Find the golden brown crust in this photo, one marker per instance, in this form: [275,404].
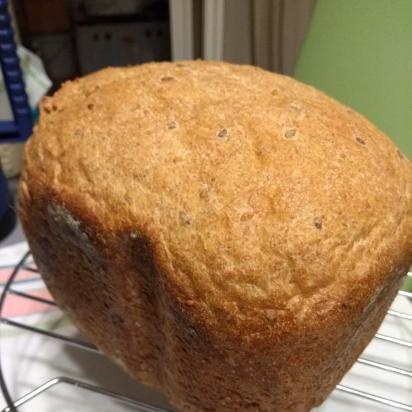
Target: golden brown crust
[228,234]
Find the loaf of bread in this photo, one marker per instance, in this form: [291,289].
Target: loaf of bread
[228,235]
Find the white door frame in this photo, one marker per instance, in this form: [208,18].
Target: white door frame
[213,29]
[181,29]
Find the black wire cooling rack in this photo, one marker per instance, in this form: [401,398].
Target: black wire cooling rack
[13,405]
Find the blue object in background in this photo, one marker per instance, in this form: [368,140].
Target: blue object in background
[7,215]
[20,128]
[5,196]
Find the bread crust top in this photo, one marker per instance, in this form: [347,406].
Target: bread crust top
[265,205]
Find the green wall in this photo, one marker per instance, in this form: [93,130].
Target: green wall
[360,52]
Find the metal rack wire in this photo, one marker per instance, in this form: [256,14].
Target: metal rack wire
[140,406]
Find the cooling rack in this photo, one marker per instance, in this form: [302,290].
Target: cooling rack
[14,405]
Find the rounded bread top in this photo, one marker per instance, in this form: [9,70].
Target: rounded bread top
[262,199]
